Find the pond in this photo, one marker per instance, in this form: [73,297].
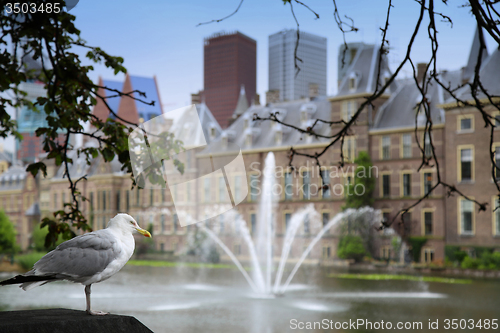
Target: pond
[189,299]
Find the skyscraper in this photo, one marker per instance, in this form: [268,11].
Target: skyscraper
[282,71]
[229,62]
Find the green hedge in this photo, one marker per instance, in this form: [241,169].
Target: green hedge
[416,244]
[351,247]
[487,260]
[26,261]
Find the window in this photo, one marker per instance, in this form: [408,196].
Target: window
[349,149]
[103,200]
[188,192]
[466,216]
[407,220]
[465,124]
[325,181]
[127,198]
[386,147]
[496,217]
[175,222]
[254,183]
[221,224]
[466,164]
[325,218]
[288,217]
[118,200]
[206,190]
[497,120]
[237,188]
[222,190]
[352,83]
[386,185]
[427,145]
[385,252]
[162,223]
[288,186]
[253,223]
[428,256]
[55,200]
[307,228]
[406,184]
[327,252]
[497,162]
[103,222]
[427,182]
[406,145]
[306,185]
[348,110]
[428,223]
[91,201]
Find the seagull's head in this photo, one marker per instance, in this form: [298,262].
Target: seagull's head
[126,222]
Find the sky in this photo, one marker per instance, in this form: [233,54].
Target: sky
[161,37]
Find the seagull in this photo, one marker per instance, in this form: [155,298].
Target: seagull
[89,258]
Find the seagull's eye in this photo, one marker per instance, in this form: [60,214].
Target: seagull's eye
[131,222]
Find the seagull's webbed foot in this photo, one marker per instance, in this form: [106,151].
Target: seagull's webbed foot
[97,313]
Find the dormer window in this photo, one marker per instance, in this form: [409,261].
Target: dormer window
[353,81]
[213,132]
[278,137]
[224,141]
[348,110]
[248,139]
[303,116]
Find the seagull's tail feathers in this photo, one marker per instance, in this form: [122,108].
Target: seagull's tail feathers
[29,281]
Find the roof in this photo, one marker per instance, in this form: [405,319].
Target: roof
[364,68]
[468,71]
[400,109]
[113,102]
[490,80]
[6,156]
[80,168]
[242,104]
[210,126]
[33,210]
[249,134]
[13,178]
[148,86]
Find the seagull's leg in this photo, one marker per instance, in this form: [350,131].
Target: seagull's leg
[87,296]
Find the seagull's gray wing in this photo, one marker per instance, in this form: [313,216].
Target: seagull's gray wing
[82,256]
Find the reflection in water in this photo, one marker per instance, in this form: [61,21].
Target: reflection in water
[384,295]
[185,299]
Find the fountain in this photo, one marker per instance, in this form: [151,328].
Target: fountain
[262,255]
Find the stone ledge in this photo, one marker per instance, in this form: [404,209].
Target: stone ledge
[64,320]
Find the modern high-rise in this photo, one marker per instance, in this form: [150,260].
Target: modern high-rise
[230,62]
[311,79]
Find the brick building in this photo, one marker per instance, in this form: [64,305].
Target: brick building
[230,61]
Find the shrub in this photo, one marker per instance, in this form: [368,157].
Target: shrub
[26,261]
[351,247]
[7,235]
[38,239]
[416,246]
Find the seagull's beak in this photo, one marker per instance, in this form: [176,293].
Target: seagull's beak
[143,232]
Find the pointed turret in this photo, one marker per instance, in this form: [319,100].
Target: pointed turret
[242,104]
[477,44]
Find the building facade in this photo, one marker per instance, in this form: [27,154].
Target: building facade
[283,77]
[230,62]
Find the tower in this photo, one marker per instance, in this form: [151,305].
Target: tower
[283,78]
[229,62]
